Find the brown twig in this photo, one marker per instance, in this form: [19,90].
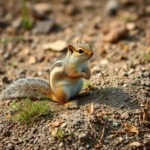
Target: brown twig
[124,132]
[93,128]
[100,144]
[103,77]
[102,134]
[145,112]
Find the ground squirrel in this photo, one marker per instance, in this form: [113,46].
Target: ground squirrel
[65,78]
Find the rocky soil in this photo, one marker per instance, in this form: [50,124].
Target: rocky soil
[115,111]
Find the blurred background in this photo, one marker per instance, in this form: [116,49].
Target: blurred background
[35,33]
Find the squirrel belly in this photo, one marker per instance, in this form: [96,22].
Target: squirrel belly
[27,88]
[73,89]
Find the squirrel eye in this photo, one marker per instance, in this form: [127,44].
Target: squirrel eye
[80,51]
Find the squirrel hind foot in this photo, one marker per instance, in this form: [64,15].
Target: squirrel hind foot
[73,104]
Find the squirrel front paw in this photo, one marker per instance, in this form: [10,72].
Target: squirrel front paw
[87,74]
[74,104]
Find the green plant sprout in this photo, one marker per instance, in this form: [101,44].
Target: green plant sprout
[29,112]
[61,135]
[12,39]
[27,23]
[147,57]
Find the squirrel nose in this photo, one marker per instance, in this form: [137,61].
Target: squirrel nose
[90,55]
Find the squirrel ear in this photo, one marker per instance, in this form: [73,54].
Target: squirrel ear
[70,48]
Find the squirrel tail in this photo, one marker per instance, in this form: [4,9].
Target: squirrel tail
[27,88]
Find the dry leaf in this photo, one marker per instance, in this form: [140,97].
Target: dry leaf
[131,128]
[57,46]
[100,118]
[57,123]
[115,33]
[102,115]
[103,111]
[148,49]
[126,48]
[54,131]
[137,144]
[42,7]
[99,145]
[120,139]
[130,26]
[102,107]
[32,60]
[91,109]
[7,117]
[39,10]
[145,113]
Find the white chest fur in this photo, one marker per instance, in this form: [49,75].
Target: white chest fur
[73,89]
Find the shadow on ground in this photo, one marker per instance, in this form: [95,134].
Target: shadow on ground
[114,97]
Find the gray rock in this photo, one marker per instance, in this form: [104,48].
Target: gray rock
[96,69]
[122,106]
[34,45]
[71,10]
[136,121]
[10,146]
[83,136]
[116,124]
[17,23]
[126,99]
[137,111]
[142,82]
[43,27]
[6,55]
[125,115]
[61,144]
[81,148]
[112,7]
[88,146]
[147,82]
[40,10]
[146,74]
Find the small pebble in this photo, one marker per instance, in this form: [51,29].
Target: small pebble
[125,115]
[10,146]
[82,136]
[137,111]
[104,62]
[146,74]
[6,55]
[43,27]
[61,144]
[116,124]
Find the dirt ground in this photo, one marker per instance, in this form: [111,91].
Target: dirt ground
[114,112]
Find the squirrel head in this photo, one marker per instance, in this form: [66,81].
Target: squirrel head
[81,52]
